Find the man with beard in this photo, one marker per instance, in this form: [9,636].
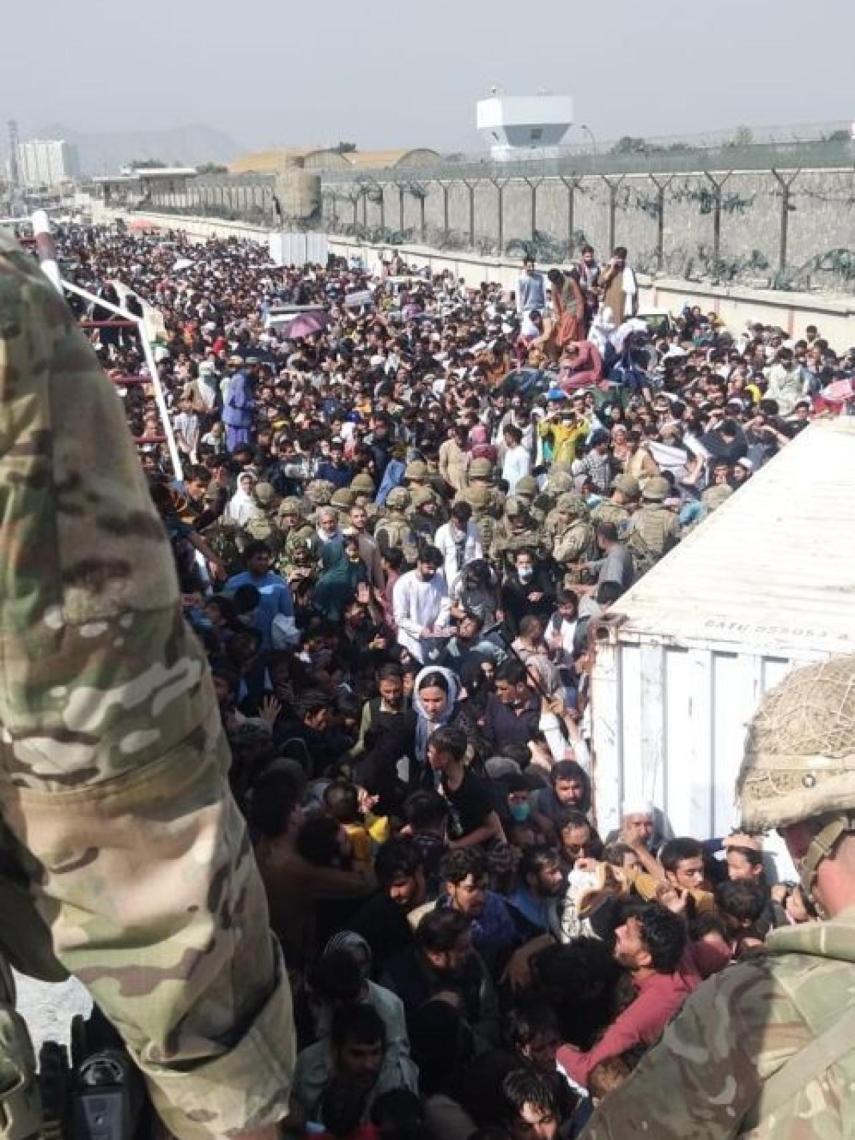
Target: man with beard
[382,920]
[421,605]
[355,1052]
[651,944]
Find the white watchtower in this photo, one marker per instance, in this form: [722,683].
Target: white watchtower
[516,125]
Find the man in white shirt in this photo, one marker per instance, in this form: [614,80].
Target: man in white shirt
[458,541]
[516,462]
[421,605]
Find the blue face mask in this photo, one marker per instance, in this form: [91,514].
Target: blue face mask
[520,812]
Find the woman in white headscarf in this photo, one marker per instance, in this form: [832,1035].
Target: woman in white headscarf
[437,700]
[241,506]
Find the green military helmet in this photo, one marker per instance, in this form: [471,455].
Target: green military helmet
[264,494]
[481,469]
[343,498]
[478,498]
[215,493]
[363,484]
[417,469]
[290,505]
[421,495]
[559,481]
[526,487]
[571,503]
[514,507]
[799,761]
[627,485]
[656,490]
[398,499]
[319,492]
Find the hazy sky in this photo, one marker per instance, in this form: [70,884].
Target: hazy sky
[398,73]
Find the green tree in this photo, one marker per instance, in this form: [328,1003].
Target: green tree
[345,148]
[212,168]
[742,136]
[630,144]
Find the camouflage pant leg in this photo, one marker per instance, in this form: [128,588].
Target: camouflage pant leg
[20,1106]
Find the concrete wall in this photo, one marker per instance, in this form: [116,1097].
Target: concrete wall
[833,314]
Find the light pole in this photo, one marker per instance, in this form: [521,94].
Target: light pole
[584,127]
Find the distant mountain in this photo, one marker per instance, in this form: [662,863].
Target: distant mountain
[103,152]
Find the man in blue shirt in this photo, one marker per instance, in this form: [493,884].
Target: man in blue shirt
[531,289]
[274,594]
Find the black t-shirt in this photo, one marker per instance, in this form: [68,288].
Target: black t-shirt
[384,926]
[471,803]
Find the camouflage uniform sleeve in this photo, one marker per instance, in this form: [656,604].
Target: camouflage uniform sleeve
[113,765]
[706,1073]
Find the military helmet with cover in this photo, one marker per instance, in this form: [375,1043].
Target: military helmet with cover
[656,490]
[290,505]
[571,503]
[559,481]
[416,469]
[398,499]
[626,484]
[480,469]
[343,498]
[526,487]
[319,492]
[362,484]
[799,763]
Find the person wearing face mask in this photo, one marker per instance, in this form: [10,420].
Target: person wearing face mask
[528,589]
[421,605]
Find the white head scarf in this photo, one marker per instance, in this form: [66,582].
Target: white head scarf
[424,725]
[241,503]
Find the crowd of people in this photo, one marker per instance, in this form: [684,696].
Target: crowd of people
[396,533]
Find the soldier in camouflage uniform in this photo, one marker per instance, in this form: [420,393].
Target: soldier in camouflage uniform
[766,1049]
[295,531]
[424,514]
[393,531]
[527,492]
[618,509]
[574,538]
[261,523]
[486,501]
[363,488]
[653,529]
[126,860]
[343,499]
[516,530]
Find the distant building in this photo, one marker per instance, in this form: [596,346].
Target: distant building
[516,125]
[47,162]
[278,159]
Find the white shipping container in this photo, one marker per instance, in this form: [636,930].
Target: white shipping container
[298,248]
[763,585]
